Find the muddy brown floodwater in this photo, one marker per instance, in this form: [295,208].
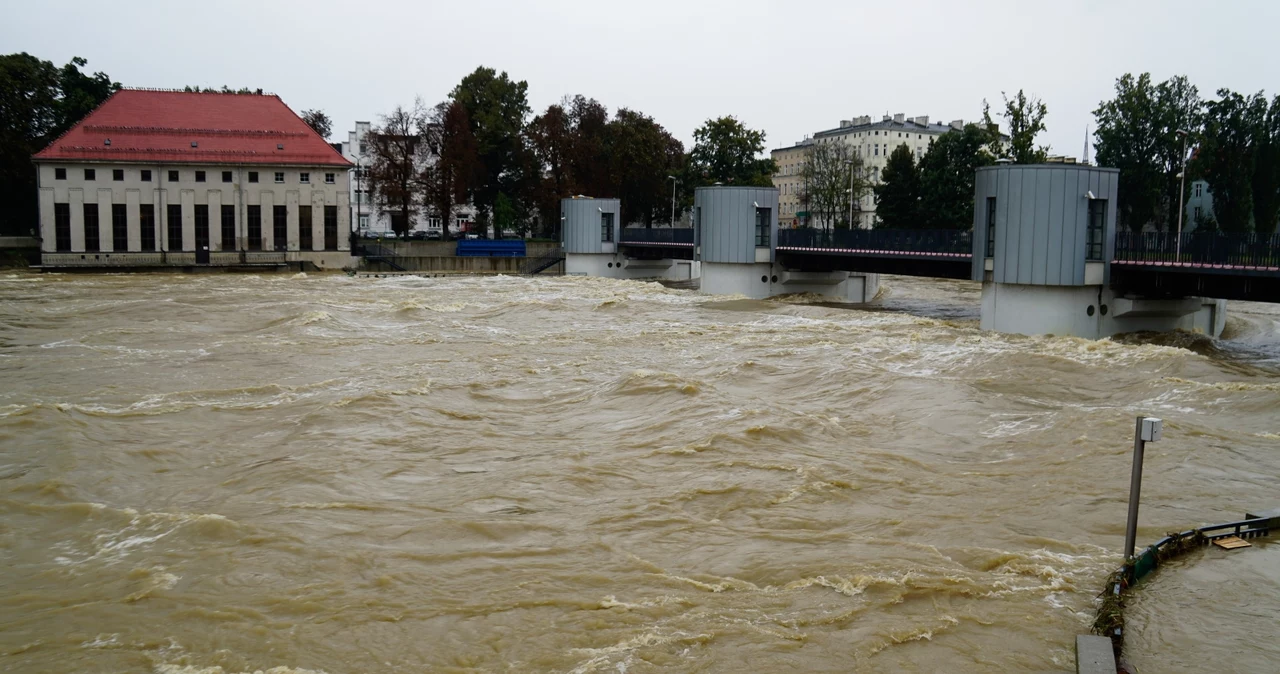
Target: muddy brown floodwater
[582,475]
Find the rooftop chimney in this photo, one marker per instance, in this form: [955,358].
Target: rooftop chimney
[900,118]
[923,120]
[957,124]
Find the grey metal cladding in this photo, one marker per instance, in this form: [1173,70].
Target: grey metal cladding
[728,226]
[581,226]
[1042,216]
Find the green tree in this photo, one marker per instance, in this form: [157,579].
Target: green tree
[898,193]
[1178,107]
[588,160]
[1227,155]
[1266,172]
[504,215]
[393,175]
[827,174]
[496,109]
[1025,117]
[946,177]
[319,122]
[725,151]
[1127,138]
[642,154]
[454,163]
[38,102]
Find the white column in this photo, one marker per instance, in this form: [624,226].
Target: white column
[106,228]
[76,200]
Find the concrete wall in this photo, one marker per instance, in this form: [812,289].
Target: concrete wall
[725,223]
[619,266]
[1042,215]
[581,228]
[752,280]
[1092,312]
[213,192]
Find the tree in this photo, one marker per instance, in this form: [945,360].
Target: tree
[454,162]
[1025,116]
[898,194]
[1178,107]
[946,177]
[496,110]
[588,158]
[393,175]
[828,171]
[550,137]
[725,151]
[1266,172]
[641,156]
[504,215]
[319,122]
[1227,155]
[38,102]
[197,89]
[1127,138]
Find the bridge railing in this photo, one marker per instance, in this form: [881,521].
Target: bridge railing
[948,241]
[671,235]
[1246,250]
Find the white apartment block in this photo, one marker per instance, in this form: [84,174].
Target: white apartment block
[167,178]
[872,142]
[373,219]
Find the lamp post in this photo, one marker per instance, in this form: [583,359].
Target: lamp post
[1182,180]
[849,162]
[673,200]
[1149,429]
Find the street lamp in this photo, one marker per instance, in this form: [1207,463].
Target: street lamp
[673,199]
[849,162]
[1182,180]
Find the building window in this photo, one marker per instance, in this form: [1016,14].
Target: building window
[254,225]
[361,147]
[330,227]
[173,176]
[280,226]
[92,240]
[279,176]
[606,227]
[228,227]
[62,226]
[90,174]
[303,177]
[117,174]
[199,176]
[59,174]
[364,222]
[304,228]
[991,226]
[175,227]
[1197,215]
[119,227]
[1096,230]
[226,176]
[763,227]
[1198,187]
[253,176]
[202,227]
[145,175]
[147,224]
[329,178]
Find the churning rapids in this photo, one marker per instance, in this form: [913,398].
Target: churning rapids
[235,473]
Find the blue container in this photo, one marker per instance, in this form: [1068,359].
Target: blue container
[486,248]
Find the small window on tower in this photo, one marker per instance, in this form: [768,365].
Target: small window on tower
[199,176]
[279,176]
[226,176]
[173,176]
[145,175]
[253,176]
[329,178]
[117,174]
[303,177]
[89,174]
[59,174]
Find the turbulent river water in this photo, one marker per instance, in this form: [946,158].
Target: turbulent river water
[235,473]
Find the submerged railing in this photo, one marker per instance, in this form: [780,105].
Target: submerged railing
[950,242]
[1244,251]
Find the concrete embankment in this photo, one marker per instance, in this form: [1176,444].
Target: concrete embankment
[19,251]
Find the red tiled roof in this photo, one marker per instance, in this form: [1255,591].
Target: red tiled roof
[159,127]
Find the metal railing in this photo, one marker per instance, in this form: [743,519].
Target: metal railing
[682,236]
[1242,251]
[950,242]
[374,252]
[534,265]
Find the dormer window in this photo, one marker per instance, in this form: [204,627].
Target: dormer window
[195,144]
[107,142]
[279,146]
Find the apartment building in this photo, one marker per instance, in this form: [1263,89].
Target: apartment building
[165,178]
[788,180]
[874,141]
[373,219]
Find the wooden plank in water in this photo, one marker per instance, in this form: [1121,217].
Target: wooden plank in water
[1232,543]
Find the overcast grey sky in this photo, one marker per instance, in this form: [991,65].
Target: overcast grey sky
[788,67]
